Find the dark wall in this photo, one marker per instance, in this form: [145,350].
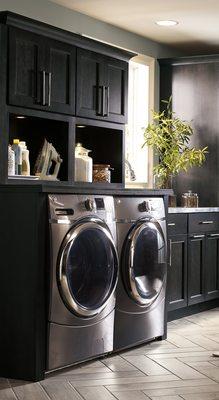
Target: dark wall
[194,85]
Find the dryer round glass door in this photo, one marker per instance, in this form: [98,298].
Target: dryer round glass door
[144,266]
[87,268]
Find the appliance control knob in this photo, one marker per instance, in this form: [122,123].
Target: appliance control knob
[144,206]
[89,205]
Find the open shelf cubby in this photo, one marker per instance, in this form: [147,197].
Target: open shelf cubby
[106,143]
[33,130]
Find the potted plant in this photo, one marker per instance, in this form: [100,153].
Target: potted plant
[170,138]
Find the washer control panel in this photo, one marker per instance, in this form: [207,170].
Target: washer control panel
[65,207]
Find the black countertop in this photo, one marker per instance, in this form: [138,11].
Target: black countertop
[63,188]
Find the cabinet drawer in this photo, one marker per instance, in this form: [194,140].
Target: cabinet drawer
[203,222]
[177,224]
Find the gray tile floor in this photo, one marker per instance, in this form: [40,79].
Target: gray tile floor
[181,367]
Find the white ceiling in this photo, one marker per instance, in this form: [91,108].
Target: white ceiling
[198,19]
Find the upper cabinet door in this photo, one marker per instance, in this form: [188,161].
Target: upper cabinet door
[116,85]
[41,72]
[101,87]
[90,81]
[60,77]
[26,68]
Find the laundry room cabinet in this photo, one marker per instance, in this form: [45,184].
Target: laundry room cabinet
[54,84]
[41,72]
[101,87]
[177,271]
[193,273]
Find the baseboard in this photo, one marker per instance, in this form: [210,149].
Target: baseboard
[194,309]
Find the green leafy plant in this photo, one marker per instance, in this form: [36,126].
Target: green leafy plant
[170,137]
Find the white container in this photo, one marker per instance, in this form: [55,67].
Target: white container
[83,164]
[25,163]
[25,169]
[11,161]
[18,156]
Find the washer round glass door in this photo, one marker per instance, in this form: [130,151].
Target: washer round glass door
[144,268]
[87,268]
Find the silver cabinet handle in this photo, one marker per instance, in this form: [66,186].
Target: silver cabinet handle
[213,235]
[170,250]
[171,224]
[100,101]
[49,89]
[44,87]
[104,114]
[206,222]
[106,101]
[197,236]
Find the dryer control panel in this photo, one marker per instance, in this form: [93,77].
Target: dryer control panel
[133,208]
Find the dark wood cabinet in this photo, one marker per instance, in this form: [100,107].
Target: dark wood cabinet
[193,275]
[212,266]
[196,269]
[193,83]
[61,77]
[177,272]
[101,87]
[41,72]
[26,65]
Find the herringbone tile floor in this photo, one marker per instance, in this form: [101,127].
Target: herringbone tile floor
[181,367]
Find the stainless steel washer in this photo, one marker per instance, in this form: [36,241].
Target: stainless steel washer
[84,272]
[140,294]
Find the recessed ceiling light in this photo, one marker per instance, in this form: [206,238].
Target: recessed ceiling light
[166,23]
[20,117]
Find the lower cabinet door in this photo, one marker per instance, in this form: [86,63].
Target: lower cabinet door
[212,266]
[196,269]
[177,272]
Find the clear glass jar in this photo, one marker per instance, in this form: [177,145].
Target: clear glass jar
[101,173]
[190,199]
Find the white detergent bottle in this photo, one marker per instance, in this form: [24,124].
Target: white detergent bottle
[18,156]
[25,170]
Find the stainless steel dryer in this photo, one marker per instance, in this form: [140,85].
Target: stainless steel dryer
[84,272]
[140,294]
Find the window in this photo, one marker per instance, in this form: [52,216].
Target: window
[139,161]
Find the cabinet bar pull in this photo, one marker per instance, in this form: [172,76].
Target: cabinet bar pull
[171,224]
[106,112]
[104,102]
[44,88]
[100,101]
[49,89]
[206,222]
[197,236]
[170,250]
[213,235]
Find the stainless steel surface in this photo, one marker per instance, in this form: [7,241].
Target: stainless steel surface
[44,87]
[89,205]
[176,210]
[197,236]
[127,208]
[69,240]
[69,345]
[170,253]
[49,88]
[133,245]
[77,336]
[136,322]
